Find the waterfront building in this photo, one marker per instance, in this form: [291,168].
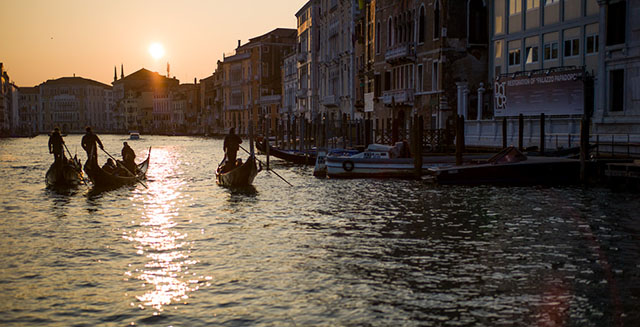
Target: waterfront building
[543,58]
[142,98]
[207,98]
[212,102]
[422,52]
[238,88]
[161,112]
[289,87]
[111,115]
[365,22]
[336,58]
[617,110]
[253,72]
[29,111]
[188,96]
[8,103]
[72,103]
[307,55]
[179,110]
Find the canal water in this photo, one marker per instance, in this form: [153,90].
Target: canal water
[185,252]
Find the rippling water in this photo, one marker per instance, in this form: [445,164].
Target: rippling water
[185,252]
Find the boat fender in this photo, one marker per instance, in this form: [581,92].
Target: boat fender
[347,165]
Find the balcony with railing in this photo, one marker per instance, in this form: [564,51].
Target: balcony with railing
[302,56]
[405,52]
[270,98]
[399,96]
[235,107]
[301,93]
[329,101]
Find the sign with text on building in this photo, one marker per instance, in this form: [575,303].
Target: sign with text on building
[553,93]
[368,102]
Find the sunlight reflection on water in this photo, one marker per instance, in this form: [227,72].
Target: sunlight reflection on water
[165,277]
[186,252]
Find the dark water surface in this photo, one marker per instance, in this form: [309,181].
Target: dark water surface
[185,252]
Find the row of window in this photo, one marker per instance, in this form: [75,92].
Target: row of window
[402,77]
[515,6]
[550,50]
[399,33]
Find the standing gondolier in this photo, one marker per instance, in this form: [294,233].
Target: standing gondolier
[56,144]
[231,145]
[128,157]
[88,143]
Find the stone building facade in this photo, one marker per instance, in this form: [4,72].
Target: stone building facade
[335,28]
[252,75]
[617,110]
[72,103]
[542,60]
[424,53]
[307,55]
[140,101]
[30,112]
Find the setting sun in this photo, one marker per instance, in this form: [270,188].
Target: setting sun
[156,50]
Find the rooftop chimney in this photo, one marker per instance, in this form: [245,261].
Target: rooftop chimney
[238,43]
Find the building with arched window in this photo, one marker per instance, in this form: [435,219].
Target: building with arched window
[425,56]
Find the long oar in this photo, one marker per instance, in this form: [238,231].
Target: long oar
[71,158]
[125,168]
[245,150]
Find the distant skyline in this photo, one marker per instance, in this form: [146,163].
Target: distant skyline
[44,39]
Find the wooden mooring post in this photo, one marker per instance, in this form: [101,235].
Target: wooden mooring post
[504,132]
[459,139]
[520,132]
[542,135]
[267,142]
[417,145]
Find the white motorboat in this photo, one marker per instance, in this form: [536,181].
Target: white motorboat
[381,161]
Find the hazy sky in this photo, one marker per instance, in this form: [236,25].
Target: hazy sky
[48,39]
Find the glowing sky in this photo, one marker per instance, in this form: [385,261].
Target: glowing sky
[44,39]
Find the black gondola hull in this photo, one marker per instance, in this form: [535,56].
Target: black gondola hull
[102,179]
[241,176]
[297,157]
[65,175]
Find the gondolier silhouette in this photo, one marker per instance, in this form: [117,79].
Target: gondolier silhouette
[128,157]
[56,144]
[231,145]
[88,143]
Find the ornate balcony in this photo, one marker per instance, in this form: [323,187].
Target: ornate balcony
[405,52]
[329,101]
[401,96]
[301,93]
[270,98]
[302,56]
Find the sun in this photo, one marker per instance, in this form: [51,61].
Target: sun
[156,50]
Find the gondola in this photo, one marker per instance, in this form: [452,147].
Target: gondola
[103,179]
[297,157]
[65,174]
[238,176]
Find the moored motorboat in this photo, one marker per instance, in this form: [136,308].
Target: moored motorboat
[101,178]
[381,161]
[294,156]
[320,169]
[511,167]
[66,173]
[133,135]
[230,175]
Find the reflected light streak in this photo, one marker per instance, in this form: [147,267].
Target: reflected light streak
[165,276]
